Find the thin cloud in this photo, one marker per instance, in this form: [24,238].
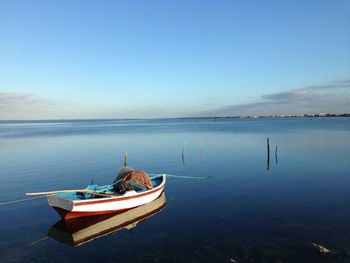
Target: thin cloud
[334,85]
[22,101]
[311,99]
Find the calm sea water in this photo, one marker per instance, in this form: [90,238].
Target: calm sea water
[243,213]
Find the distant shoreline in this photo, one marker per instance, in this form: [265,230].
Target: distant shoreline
[282,116]
[319,115]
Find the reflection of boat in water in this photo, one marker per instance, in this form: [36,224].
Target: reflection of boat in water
[81,230]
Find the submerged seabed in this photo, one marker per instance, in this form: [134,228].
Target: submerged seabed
[243,213]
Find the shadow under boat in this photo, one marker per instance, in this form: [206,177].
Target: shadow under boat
[76,232]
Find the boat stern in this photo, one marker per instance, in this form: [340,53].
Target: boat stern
[59,202]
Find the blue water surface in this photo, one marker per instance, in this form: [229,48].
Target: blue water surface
[248,210]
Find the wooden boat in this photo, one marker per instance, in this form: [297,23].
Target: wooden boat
[100,200]
[78,231]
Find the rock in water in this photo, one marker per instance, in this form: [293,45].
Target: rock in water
[321,249]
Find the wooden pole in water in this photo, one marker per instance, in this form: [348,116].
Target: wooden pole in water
[276,156]
[183,154]
[268,153]
[201,149]
[126,158]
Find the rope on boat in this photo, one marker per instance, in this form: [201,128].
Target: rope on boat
[183,176]
[21,200]
[112,183]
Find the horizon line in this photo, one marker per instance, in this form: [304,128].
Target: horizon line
[338,114]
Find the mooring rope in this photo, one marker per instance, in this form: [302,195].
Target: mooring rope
[21,200]
[183,176]
[37,241]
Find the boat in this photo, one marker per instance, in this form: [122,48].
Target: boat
[95,200]
[79,231]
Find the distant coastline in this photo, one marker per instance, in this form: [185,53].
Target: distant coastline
[316,115]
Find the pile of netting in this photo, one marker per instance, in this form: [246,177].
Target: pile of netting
[130,179]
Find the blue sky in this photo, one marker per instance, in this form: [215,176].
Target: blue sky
[150,59]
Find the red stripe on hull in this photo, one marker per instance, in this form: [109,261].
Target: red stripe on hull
[70,215]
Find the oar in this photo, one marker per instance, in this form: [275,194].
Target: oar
[68,191]
[59,191]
